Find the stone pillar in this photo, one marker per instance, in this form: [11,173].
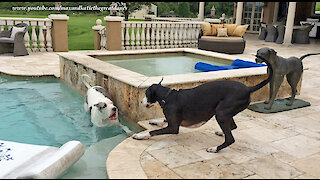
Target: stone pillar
[59,32]
[289,24]
[97,37]
[201,11]
[239,13]
[275,12]
[113,33]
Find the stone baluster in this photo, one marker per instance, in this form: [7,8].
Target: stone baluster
[193,34]
[189,35]
[27,38]
[127,36]
[133,38]
[153,27]
[198,27]
[122,36]
[34,36]
[167,29]
[176,35]
[171,39]
[158,27]
[148,36]
[181,32]
[138,45]
[2,24]
[17,22]
[9,24]
[41,36]
[103,38]
[184,35]
[163,27]
[143,36]
[48,36]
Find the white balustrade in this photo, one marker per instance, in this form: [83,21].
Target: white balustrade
[41,41]
[159,34]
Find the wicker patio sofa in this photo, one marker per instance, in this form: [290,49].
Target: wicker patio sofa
[14,43]
[231,42]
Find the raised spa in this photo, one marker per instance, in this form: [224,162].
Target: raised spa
[127,74]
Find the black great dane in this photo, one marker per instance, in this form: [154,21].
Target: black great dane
[194,107]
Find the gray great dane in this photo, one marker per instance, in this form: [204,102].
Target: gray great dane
[290,67]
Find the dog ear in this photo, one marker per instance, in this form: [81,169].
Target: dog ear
[161,81]
[272,51]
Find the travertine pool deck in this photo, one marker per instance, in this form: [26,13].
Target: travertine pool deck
[281,145]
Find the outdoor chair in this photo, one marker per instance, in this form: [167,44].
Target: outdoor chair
[301,36]
[272,33]
[263,31]
[12,41]
[280,30]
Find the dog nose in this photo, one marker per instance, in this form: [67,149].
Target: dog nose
[114,109]
[147,105]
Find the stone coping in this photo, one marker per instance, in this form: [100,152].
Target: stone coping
[142,81]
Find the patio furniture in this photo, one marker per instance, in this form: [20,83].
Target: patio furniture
[272,33]
[301,34]
[280,30]
[233,43]
[12,41]
[263,31]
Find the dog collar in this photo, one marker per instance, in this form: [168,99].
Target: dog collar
[163,101]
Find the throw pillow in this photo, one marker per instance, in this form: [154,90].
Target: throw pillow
[240,30]
[214,28]
[15,30]
[206,29]
[230,27]
[222,32]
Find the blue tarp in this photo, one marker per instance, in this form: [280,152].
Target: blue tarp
[236,64]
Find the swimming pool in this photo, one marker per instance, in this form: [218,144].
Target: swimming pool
[162,64]
[47,112]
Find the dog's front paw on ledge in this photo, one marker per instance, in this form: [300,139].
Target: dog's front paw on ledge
[212,149]
[141,136]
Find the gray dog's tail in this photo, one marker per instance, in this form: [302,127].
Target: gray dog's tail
[84,81]
[265,82]
[304,56]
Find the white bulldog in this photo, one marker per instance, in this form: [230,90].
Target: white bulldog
[102,111]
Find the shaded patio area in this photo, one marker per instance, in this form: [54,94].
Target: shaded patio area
[281,145]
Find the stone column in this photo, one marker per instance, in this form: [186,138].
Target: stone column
[113,33]
[201,11]
[275,12]
[59,32]
[289,24]
[239,13]
[97,37]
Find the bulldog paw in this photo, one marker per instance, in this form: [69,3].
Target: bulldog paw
[141,136]
[212,149]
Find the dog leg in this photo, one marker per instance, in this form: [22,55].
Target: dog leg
[276,85]
[224,124]
[271,84]
[232,125]
[293,79]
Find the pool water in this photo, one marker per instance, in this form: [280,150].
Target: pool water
[48,112]
[162,65]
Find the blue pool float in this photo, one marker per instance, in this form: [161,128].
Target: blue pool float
[236,64]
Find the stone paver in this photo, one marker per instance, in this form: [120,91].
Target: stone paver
[280,145]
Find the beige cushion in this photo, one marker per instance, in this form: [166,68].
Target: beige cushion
[214,28]
[240,30]
[206,29]
[229,38]
[222,32]
[230,27]
[15,30]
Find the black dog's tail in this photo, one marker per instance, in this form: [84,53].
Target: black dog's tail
[265,82]
[304,56]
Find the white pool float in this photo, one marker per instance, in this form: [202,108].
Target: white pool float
[19,160]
